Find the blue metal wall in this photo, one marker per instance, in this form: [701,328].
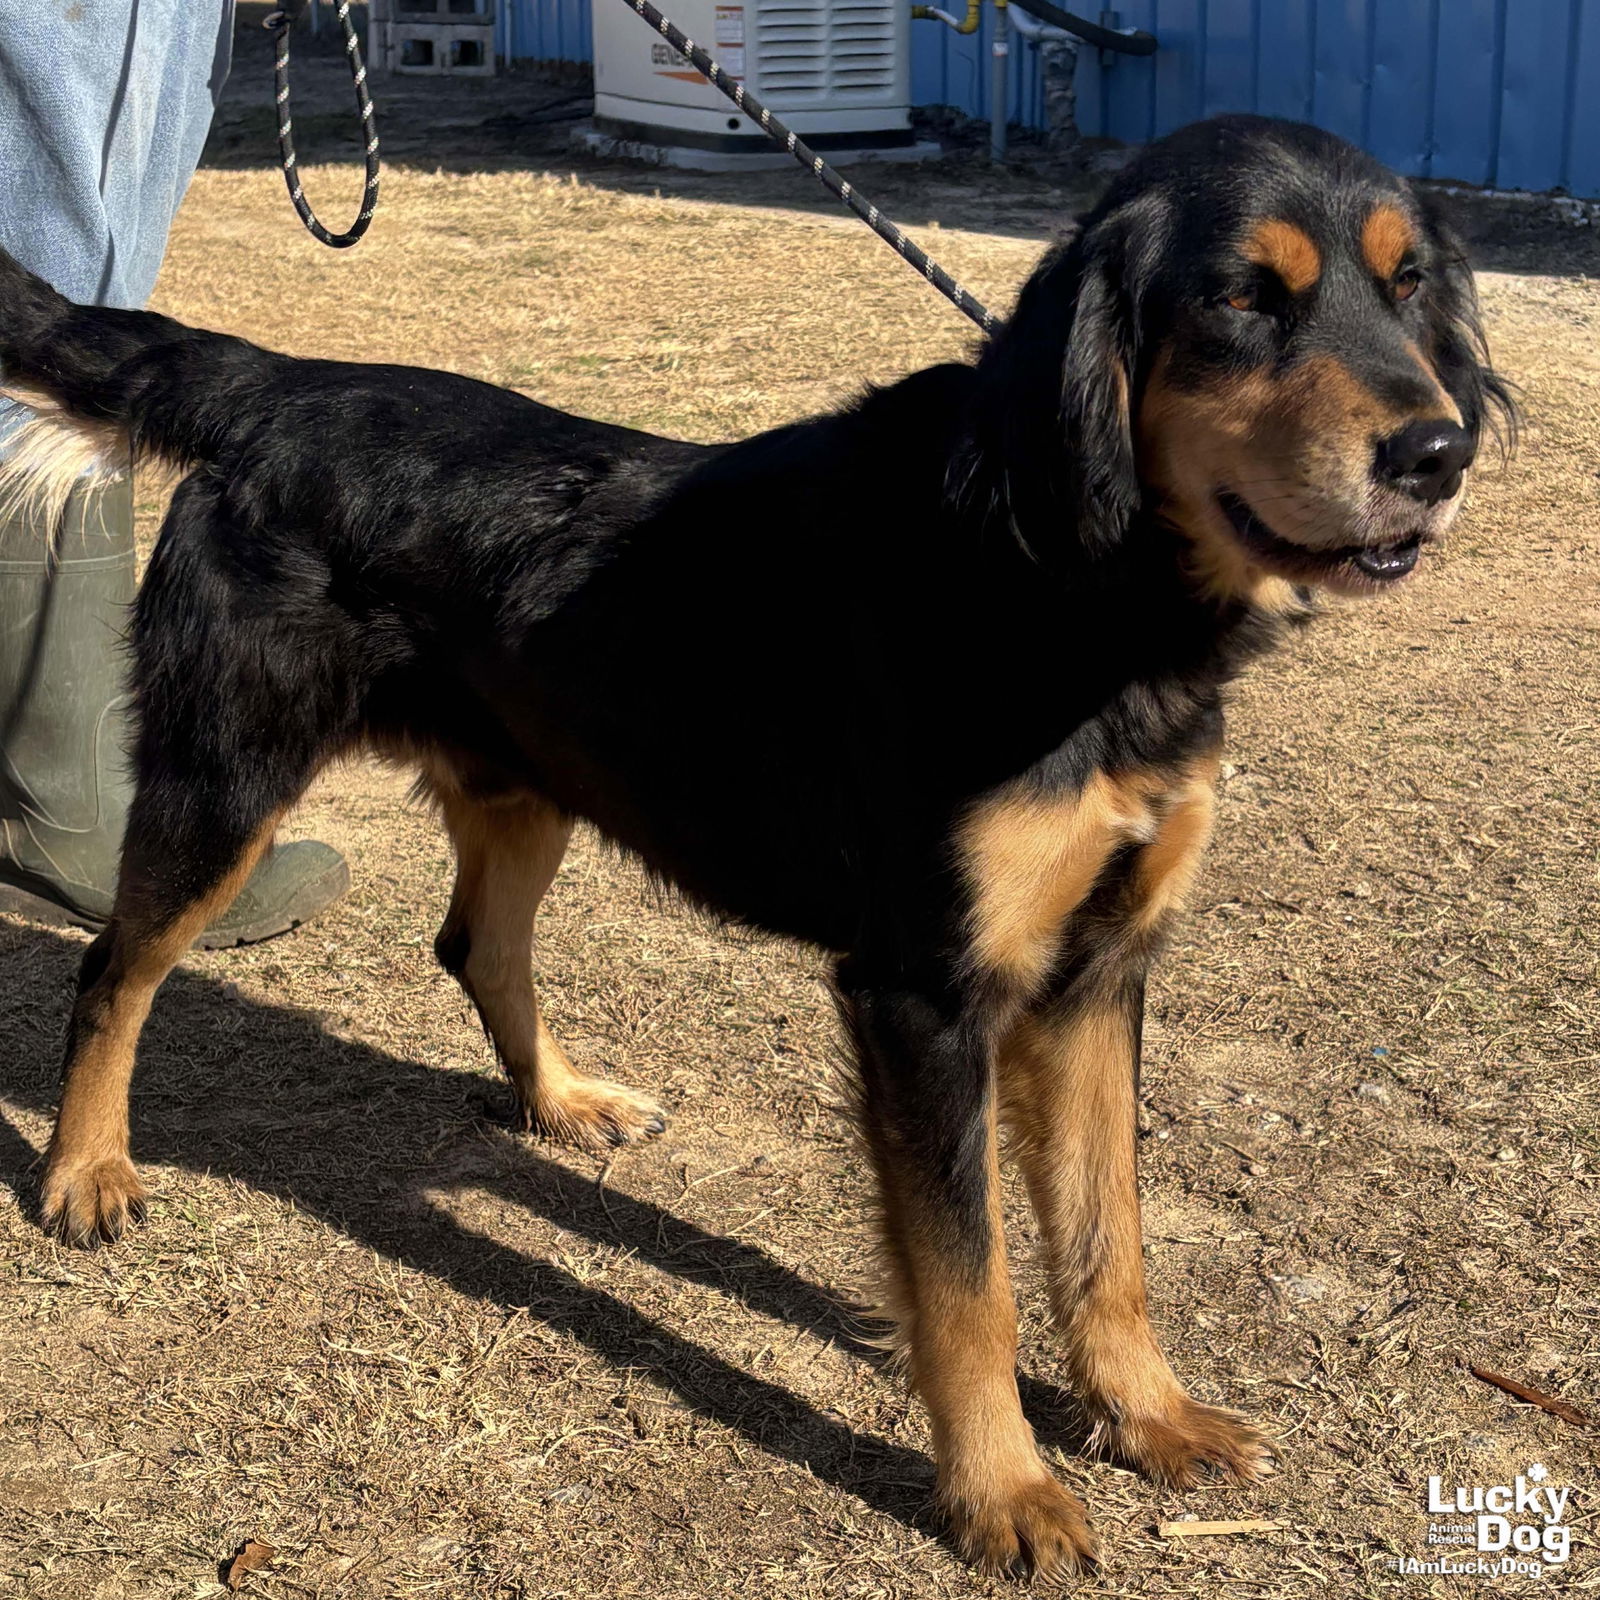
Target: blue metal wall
[1499,92]
[550,30]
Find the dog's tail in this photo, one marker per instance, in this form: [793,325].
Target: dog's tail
[106,387]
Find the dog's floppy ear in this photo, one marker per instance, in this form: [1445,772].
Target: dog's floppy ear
[1459,351]
[1053,433]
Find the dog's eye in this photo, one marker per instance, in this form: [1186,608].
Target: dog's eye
[1406,283]
[1263,298]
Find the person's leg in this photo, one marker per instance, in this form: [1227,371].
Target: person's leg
[65,597]
[103,112]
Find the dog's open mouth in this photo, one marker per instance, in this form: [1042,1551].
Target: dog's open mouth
[1364,563]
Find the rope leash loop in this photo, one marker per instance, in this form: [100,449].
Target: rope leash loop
[278,25]
[830,180]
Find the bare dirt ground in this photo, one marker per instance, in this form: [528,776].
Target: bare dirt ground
[424,1357]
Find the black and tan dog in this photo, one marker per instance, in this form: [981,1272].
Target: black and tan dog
[933,683]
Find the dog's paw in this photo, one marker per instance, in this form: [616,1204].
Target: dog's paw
[1035,1529]
[1188,1443]
[595,1115]
[87,1203]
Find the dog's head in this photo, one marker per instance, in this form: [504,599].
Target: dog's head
[1268,340]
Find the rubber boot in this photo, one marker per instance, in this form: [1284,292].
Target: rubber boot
[64,732]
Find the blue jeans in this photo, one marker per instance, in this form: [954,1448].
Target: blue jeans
[104,109]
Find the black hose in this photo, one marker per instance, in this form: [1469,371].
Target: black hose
[1138,43]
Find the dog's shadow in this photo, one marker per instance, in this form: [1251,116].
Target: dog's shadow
[334,1127]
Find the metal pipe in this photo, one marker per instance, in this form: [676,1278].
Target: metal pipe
[933,14]
[999,74]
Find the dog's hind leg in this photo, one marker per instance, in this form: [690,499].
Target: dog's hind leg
[177,874]
[928,1112]
[507,853]
[238,710]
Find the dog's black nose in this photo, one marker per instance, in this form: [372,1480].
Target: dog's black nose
[1426,459]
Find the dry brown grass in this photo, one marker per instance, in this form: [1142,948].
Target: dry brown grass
[426,1358]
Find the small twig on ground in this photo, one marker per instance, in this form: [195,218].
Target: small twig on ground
[1188,1530]
[600,1189]
[1545,1402]
[721,1172]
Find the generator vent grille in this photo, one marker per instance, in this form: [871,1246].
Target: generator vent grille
[842,51]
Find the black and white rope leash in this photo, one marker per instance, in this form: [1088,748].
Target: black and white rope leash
[282,20]
[830,180]
[278,25]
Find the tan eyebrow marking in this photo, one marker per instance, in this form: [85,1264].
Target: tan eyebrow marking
[1289,251]
[1386,236]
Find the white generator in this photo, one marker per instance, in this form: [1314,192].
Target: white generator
[837,71]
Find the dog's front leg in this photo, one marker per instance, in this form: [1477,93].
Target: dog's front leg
[928,1107]
[1068,1076]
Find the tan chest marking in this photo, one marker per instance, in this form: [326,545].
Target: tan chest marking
[1168,864]
[1032,860]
